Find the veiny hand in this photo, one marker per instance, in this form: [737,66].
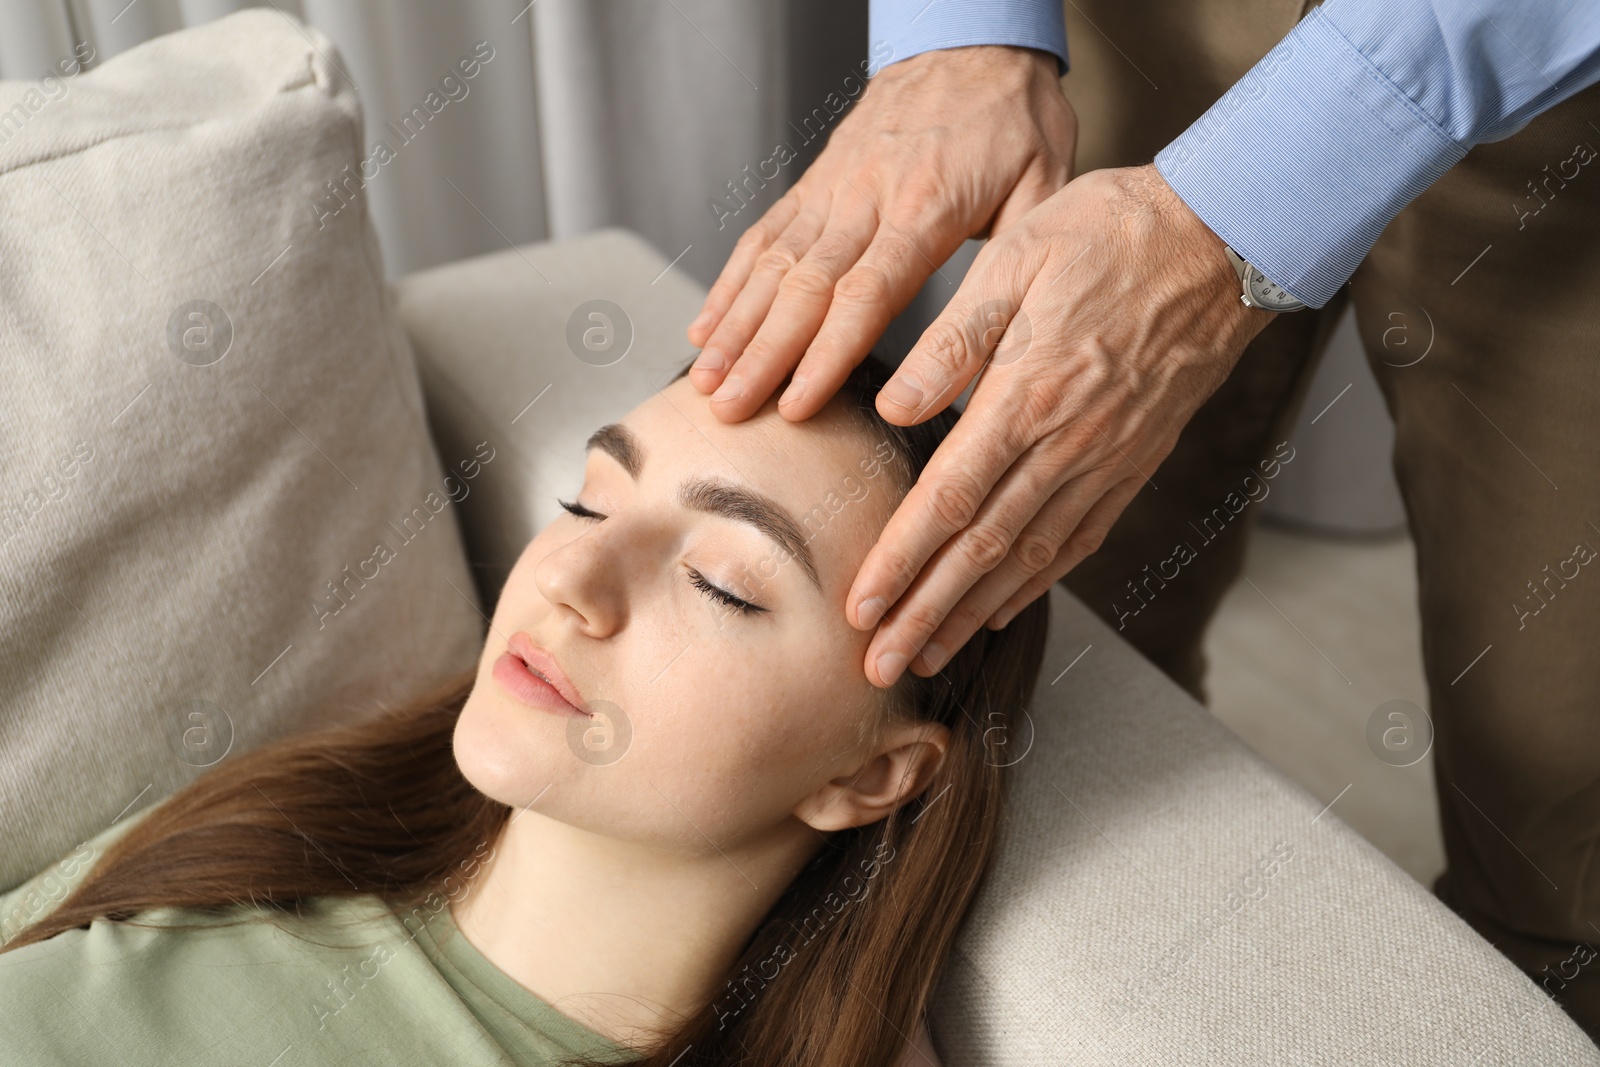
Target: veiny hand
[1111,313]
[945,145]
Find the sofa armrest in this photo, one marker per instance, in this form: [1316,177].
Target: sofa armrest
[1164,895]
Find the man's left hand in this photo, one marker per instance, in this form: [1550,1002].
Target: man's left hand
[1116,315]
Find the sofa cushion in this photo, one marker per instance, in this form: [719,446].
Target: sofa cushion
[1161,894]
[223,519]
[1164,895]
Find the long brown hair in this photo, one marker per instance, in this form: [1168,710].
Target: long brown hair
[838,972]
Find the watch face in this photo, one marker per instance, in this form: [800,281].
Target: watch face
[1265,293]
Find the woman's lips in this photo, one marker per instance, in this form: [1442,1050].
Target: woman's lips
[528,688]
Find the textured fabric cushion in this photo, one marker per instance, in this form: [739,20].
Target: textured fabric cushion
[1166,896]
[1162,895]
[194,497]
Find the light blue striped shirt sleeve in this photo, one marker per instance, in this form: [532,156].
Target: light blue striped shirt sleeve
[912,26]
[1304,161]
[1366,103]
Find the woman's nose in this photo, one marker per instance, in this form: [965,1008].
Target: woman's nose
[587,576]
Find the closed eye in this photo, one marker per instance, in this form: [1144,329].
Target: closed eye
[743,607]
[579,510]
[696,579]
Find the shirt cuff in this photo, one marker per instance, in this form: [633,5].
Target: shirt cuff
[1303,162]
[908,27]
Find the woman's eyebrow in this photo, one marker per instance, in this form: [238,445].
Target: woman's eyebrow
[619,442]
[716,496]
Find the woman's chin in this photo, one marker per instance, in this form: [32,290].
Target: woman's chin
[507,752]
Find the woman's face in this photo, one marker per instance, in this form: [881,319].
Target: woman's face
[711,722]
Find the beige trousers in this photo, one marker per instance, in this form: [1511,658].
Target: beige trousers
[1497,455]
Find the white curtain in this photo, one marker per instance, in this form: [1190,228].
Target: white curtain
[591,113]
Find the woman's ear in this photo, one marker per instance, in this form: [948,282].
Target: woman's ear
[903,761]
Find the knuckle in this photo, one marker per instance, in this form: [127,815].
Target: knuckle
[902,572]
[1038,404]
[897,253]
[735,329]
[954,502]
[862,286]
[962,622]
[834,252]
[758,236]
[874,168]
[1097,370]
[922,187]
[758,353]
[984,546]
[779,259]
[947,345]
[808,279]
[919,622]
[1035,550]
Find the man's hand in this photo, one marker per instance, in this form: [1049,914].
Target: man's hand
[1111,313]
[949,144]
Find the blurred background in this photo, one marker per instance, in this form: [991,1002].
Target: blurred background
[663,116]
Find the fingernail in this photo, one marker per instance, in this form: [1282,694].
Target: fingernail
[700,320]
[933,654]
[890,664]
[905,391]
[795,393]
[868,612]
[1000,620]
[711,359]
[732,389]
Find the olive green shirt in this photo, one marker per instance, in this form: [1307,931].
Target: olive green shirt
[344,982]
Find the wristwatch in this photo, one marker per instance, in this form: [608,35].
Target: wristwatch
[1260,291]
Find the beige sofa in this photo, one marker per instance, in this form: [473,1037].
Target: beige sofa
[203,582]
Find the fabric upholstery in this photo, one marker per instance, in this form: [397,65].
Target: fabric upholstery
[192,505]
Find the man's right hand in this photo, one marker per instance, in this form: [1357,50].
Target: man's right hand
[949,144]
